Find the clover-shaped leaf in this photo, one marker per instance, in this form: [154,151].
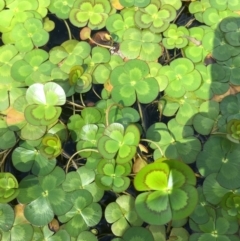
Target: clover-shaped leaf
[122,214]
[92,13]
[185,108]
[44,197]
[29,34]
[51,146]
[233,130]
[198,8]
[70,53]
[214,81]
[219,226]
[156,16]
[81,80]
[204,121]
[44,101]
[200,214]
[231,68]
[230,202]
[119,142]
[26,158]
[195,51]
[229,107]
[223,5]
[83,178]
[34,66]
[182,77]
[8,187]
[141,43]
[90,214]
[61,8]
[212,17]
[213,191]
[230,26]
[220,156]
[113,176]
[89,115]
[6,217]
[216,43]
[175,141]
[130,82]
[175,37]
[116,24]
[7,136]
[89,136]
[164,182]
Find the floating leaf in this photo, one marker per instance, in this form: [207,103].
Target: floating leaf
[122,214]
[91,13]
[119,143]
[175,141]
[26,158]
[6,217]
[90,214]
[155,16]
[40,196]
[141,44]
[220,156]
[113,176]
[83,178]
[164,183]
[8,187]
[29,34]
[130,82]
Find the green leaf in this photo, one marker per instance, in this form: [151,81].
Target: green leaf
[175,141]
[130,82]
[29,34]
[83,178]
[141,43]
[6,217]
[8,186]
[26,158]
[89,13]
[89,215]
[115,142]
[122,213]
[216,157]
[138,234]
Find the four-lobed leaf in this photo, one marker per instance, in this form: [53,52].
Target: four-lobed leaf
[119,142]
[131,83]
[169,192]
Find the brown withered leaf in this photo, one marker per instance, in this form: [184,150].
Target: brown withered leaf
[138,164]
[85,33]
[233,89]
[116,4]
[54,225]
[101,37]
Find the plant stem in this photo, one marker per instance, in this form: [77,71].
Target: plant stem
[94,91]
[108,110]
[68,29]
[101,45]
[154,143]
[5,154]
[74,104]
[81,98]
[74,111]
[141,116]
[70,159]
